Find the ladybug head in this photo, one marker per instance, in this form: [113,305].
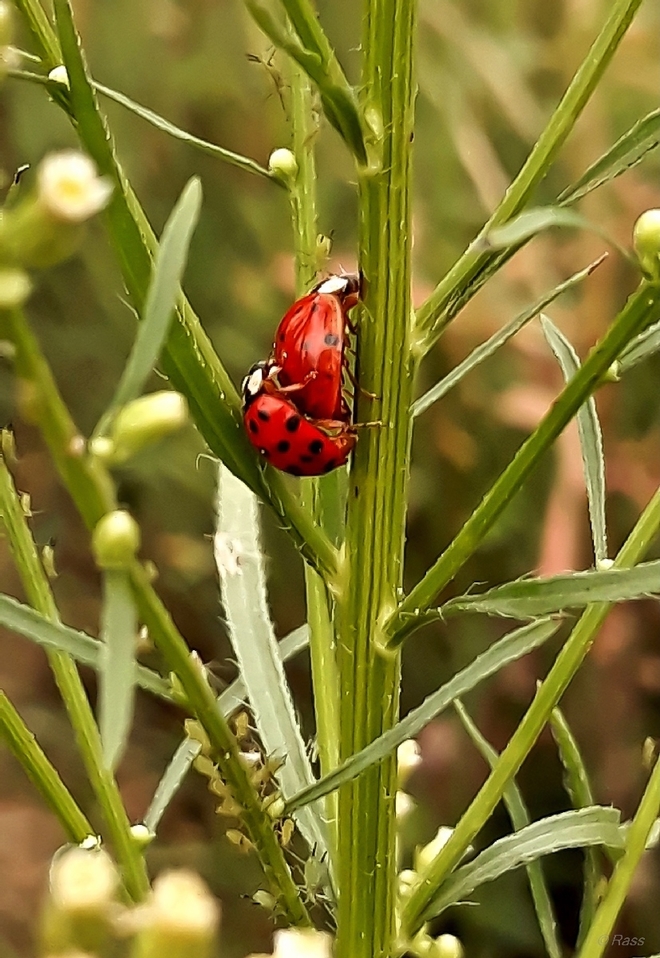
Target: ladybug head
[259,378]
[346,286]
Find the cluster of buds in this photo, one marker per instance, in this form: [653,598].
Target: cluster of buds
[46,225]
[84,916]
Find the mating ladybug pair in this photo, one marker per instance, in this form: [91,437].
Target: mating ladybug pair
[295,412]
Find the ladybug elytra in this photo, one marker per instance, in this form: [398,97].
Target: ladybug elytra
[288,439]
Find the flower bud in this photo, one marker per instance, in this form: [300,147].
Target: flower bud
[283,164]
[408,758]
[179,921]
[15,287]
[302,943]
[116,540]
[6,24]
[83,887]
[646,240]
[45,227]
[446,946]
[59,75]
[141,423]
[425,854]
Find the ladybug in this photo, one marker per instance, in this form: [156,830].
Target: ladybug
[309,347]
[287,438]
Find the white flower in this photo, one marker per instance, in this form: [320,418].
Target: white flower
[70,188]
[408,758]
[302,943]
[82,879]
[182,903]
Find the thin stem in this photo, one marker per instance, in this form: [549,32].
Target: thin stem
[449,295]
[641,310]
[597,938]
[40,596]
[44,776]
[319,495]
[373,551]
[547,696]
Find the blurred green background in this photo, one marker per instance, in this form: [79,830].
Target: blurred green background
[490,73]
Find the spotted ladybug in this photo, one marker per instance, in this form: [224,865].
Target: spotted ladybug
[289,440]
[309,347]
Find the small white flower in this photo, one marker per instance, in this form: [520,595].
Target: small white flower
[59,75]
[182,902]
[70,188]
[408,758]
[83,879]
[302,943]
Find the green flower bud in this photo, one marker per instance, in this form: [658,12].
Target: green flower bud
[446,946]
[83,887]
[47,226]
[425,854]
[15,287]
[141,423]
[116,540]
[179,921]
[283,164]
[646,240]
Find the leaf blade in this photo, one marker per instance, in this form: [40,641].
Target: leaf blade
[118,675]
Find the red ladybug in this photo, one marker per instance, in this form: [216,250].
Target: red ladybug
[288,439]
[309,348]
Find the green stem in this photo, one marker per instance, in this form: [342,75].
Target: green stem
[378,481]
[547,696]
[226,751]
[321,496]
[642,308]
[40,596]
[449,295]
[25,748]
[597,938]
[91,490]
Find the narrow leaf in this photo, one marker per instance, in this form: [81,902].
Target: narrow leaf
[519,815]
[574,829]
[578,786]
[591,440]
[627,152]
[32,625]
[243,586]
[235,159]
[530,597]
[640,348]
[503,335]
[117,678]
[161,299]
[537,220]
[229,702]
[511,647]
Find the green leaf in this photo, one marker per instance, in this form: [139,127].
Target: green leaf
[640,348]
[519,815]
[578,786]
[32,625]
[234,159]
[511,647]
[118,674]
[232,699]
[574,829]
[160,304]
[503,335]
[528,224]
[242,575]
[591,440]
[525,598]
[627,152]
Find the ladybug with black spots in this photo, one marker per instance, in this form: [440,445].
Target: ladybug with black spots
[288,439]
[309,347]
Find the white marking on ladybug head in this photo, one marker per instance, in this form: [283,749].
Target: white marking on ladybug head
[254,380]
[333,285]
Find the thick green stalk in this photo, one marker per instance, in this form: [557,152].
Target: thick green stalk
[25,748]
[39,594]
[641,310]
[450,294]
[373,554]
[547,696]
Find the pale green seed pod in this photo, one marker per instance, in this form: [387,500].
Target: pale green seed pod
[179,921]
[46,227]
[283,164]
[82,898]
[116,540]
[646,240]
[143,422]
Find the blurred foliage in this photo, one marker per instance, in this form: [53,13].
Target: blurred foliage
[489,75]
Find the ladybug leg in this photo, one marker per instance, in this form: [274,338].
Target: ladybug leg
[365,392]
[296,387]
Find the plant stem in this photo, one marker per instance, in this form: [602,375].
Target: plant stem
[25,748]
[373,552]
[40,596]
[547,696]
[642,308]
[448,296]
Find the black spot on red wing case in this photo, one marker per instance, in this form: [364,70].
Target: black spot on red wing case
[292,423]
[283,445]
[316,446]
